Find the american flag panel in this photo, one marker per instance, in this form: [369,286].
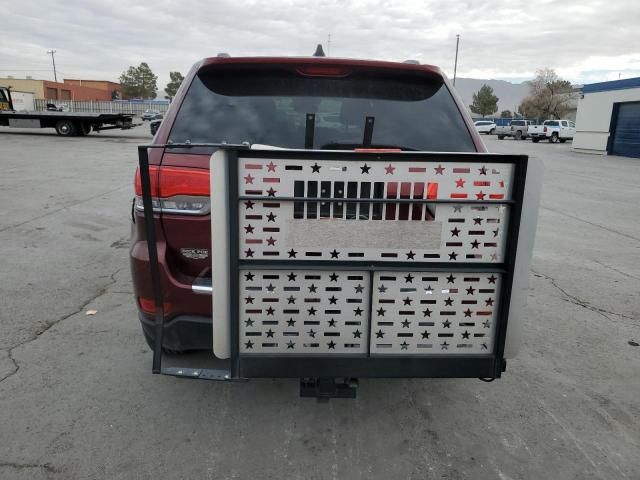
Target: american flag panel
[387,231]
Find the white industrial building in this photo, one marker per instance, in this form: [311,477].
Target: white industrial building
[608,118]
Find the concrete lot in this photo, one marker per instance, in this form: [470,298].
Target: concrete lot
[77,399]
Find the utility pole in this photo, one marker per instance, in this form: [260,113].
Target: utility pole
[455,65]
[329,45]
[53,60]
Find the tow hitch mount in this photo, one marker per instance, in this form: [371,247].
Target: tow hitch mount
[325,388]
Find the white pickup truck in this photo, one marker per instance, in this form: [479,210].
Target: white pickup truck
[553,130]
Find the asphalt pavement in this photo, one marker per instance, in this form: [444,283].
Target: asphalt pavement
[78,400]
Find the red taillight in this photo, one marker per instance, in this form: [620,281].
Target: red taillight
[323,71]
[149,306]
[171,181]
[176,190]
[545,129]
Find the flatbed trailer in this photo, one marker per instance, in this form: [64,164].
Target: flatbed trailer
[66,124]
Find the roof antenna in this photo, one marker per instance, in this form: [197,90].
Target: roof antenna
[319,51]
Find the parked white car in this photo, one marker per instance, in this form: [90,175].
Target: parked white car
[553,130]
[486,126]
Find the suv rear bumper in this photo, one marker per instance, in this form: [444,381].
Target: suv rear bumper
[181,333]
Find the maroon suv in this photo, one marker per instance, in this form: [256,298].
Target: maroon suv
[265,101]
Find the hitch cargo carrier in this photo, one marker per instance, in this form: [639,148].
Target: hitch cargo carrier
[349,264]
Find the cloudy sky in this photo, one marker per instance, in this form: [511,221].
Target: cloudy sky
[584,40]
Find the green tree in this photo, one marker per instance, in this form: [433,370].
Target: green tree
[484,101]
[549,96]
[506,114]
[139,82]
[174,84]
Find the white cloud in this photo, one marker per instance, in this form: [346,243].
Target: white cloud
[584,40]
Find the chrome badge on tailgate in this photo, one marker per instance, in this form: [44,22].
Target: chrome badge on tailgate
[195,253]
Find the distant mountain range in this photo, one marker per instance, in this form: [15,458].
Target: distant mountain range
[509,94]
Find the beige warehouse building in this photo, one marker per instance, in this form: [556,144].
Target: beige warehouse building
[608,118]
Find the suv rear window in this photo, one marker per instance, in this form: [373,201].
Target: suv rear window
[236,104]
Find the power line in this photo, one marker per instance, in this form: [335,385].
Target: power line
[52,53]
[455,65]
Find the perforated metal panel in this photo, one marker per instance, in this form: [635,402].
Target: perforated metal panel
[434,313]
[384,231]
[310,312]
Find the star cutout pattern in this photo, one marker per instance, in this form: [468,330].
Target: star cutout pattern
[455,317]
[471,235]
